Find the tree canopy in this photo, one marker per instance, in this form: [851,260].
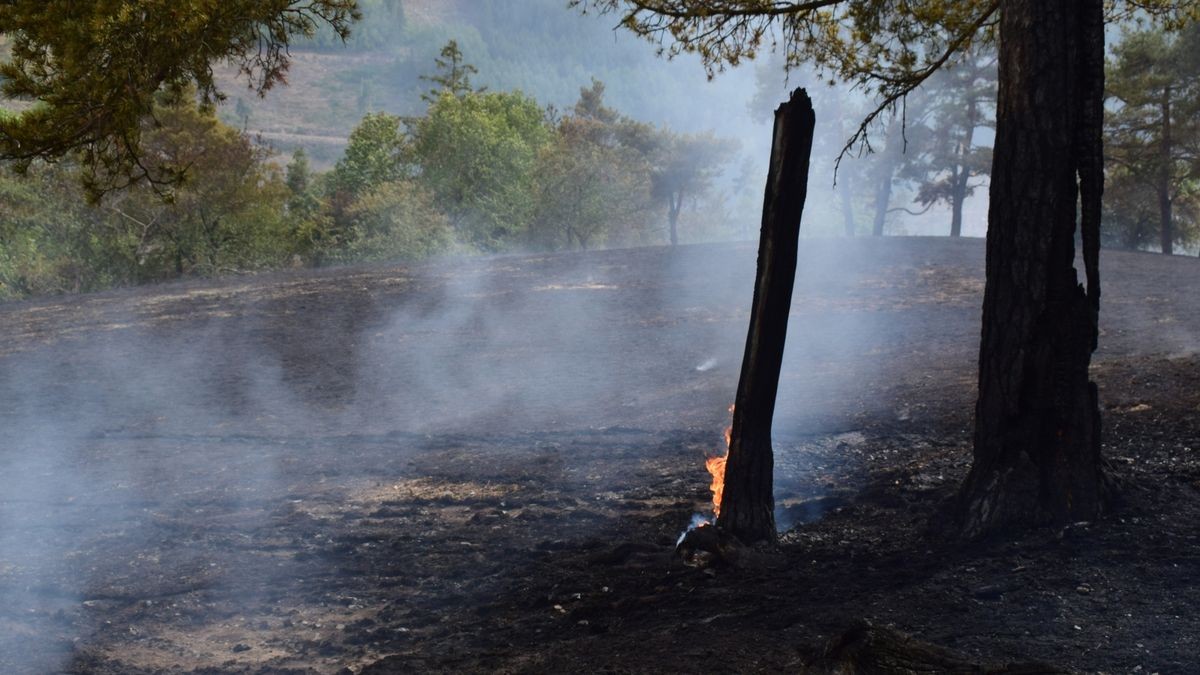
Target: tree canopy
[884,47]
[1153,148]
[94,69]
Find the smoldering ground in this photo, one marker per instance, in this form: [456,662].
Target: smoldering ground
[322,469]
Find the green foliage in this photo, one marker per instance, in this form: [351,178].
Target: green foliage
[477,153]
[959,102]
[684,166]
[97,67]
[885,49]
[375,154]
[226,217]
[592,181]
[453,75]
[397,221]
[50,241]
[479,172]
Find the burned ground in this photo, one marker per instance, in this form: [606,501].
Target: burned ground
[484,466]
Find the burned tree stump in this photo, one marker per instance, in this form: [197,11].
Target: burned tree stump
[868,649]
[748,503]
[708,546]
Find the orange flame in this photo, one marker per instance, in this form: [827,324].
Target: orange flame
[716,467]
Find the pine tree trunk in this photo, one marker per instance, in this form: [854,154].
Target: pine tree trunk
[748,502]
[886,171]
[1166,226]
[962,172]
[883,197]
[1037,420]
[957,197]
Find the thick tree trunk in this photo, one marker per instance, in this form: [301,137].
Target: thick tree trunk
[748,502]
[1166,226]
[1037,420]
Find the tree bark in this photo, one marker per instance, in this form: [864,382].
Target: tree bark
[748,501]
[1037,419]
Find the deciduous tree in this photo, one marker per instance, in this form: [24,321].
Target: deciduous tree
[593,180]
[477,153]
[684,166]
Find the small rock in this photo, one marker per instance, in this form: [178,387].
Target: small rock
[239,647]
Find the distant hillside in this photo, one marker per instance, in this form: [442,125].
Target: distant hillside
[539,46]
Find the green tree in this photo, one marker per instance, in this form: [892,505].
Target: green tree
[51,241]
[478,153]
[397,221]
[684,167]
[1153,136]
[453,75]
[307,210]
[376,153]
[95,70]
[592,180]
[1037,447]
[961,102]
[226,217]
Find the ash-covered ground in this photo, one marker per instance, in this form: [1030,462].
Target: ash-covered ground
[484,465]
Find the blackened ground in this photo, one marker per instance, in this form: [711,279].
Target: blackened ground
[347,469]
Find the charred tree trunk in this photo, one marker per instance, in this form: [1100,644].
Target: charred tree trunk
[1166,226]
[1037,420]
[748,502]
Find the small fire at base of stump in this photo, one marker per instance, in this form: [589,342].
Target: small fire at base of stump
[709,546]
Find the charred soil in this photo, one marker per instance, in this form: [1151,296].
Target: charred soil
[317,471]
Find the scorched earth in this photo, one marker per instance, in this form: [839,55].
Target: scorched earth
[484,465]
